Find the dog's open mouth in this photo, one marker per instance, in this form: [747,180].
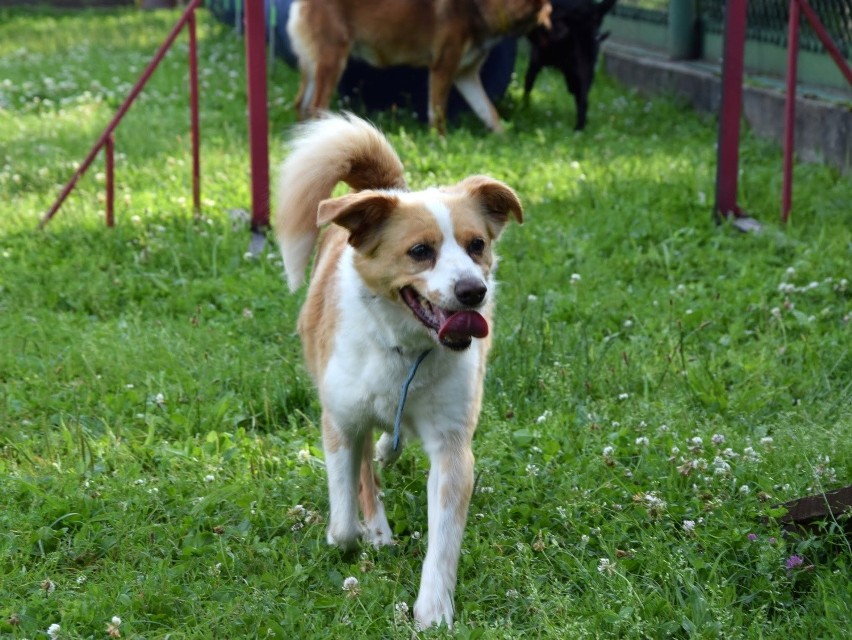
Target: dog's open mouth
[455,329]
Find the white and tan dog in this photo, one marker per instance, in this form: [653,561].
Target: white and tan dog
[397,274]
[450,37]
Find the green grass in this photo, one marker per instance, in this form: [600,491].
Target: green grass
[158,428]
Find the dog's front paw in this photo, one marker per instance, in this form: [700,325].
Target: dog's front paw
[433,609]
[385,454]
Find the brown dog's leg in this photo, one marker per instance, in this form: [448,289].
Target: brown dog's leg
[440,82]
[304,83]
[449,489]
[327,74]
[376,527]
[470,86]
[342,462]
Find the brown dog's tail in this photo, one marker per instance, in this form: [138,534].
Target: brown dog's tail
[324,152]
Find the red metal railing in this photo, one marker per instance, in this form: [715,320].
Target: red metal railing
[258,123]
[790,105]
[727,166]
[258,113]
[106,140]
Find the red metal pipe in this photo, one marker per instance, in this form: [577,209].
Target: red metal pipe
[193,114]
[825,38]
[257,108]
[109,152]
[727,162]
[790,110]
[128,101]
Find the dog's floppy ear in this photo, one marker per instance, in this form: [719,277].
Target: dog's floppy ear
[497,200]
[363,214]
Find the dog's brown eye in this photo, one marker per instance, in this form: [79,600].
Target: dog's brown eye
[421,252]
[476,247]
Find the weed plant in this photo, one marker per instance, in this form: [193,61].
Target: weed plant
[658,384]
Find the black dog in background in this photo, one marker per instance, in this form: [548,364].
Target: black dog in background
[572,46]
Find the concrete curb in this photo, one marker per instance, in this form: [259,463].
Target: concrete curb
[823,125]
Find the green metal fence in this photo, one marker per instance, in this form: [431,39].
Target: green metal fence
[767,19]
[767,22]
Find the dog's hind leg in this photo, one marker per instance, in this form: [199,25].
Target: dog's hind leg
[342,462]
[305,94]
[533,70]
[449,488]
[470,86]
[376,527]
[327,72]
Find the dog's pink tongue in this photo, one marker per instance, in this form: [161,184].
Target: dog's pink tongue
[463,325]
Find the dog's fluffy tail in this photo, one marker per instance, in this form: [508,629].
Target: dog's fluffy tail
[324,152]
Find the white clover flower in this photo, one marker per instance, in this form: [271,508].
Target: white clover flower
[303,456]
[720,467]
[209,477]
[112,627]
[350,584]
[663,428]
[512,594]
[544,416]
[766,441]
[297,511]
[775,312]
[532,469]
[415,535]
[627,323]
[623,396]
[653,501]
[532,297]
[675,451]
[718,439]
[584,539]
[606,567]
[400,610]
[608,451]
[248,313]
[642,441]
[751,455]
[689,526]
[696,441]
[53,631]
[744,489]
[575,278]
[730,453]
[160,400]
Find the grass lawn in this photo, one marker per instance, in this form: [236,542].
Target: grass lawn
[657,384]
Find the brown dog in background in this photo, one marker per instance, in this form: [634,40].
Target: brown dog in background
[450,37]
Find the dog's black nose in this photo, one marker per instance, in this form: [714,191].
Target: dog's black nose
[470,291]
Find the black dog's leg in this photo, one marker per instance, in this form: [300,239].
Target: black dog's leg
[578,86]
[533,70]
